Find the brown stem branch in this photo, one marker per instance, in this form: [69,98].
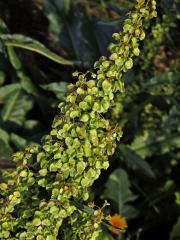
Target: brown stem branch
[6,163]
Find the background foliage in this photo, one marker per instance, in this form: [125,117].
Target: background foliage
[142,181]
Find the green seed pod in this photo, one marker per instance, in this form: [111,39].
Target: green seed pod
[43,172]
[129,64]
[84,117]
[85,182]
[54,210]
[96,64]
[126,38]
[5,234]
[70,86]
[83,105]
[69,141]
[106,64]
[142,36]
[137,32]
[74,114]
[87,148]
[106,85]
[36,222]
[81,132]
[119,62]
[94,137]
[105,104]
[72,99]
[3,186]
[88,99]
[50,237]
[42,182]
[114,56]
[116,36]
[40,237]
[80,91]
[94,90]
[96,106]
[136,51]
[23,174]
[23,236]
[101,76]
[91,83]
[80,167]
[105,165]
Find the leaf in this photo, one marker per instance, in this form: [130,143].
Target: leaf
[7,90]
[21,41]
[22,107]
[26,82]
[118,189]
[2,77]
[58,88]
[177,196]
[83,38]
[130,211]
[8,95]
[30,124]
[104,236]
[140,144]
[135,162]
[15,107]
[64,6]
[9,105]
[175,233]
[16,63]
[18,141]
[103,31]
[5,149]
[4,136]
[148,146]
[3,27]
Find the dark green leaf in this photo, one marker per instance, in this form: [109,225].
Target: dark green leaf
[18,141]
[118,190]
[58,88]
[135,162]
[21,41]
[175,234]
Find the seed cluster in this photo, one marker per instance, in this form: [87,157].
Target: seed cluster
[38,199]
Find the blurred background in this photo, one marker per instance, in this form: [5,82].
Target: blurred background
[143,181]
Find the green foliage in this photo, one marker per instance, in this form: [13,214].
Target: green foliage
[20,41]
[53,166]
[175,234]
[122,196]
[134,161]
[48,194]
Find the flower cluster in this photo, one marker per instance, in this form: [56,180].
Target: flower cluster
[40,202]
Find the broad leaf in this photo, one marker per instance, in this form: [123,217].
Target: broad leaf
[58,88]
[118,190]
[15,107]
[7,90]
[5,149]
[21,41]
[135,162]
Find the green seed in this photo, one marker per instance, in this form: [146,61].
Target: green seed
[84,117]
